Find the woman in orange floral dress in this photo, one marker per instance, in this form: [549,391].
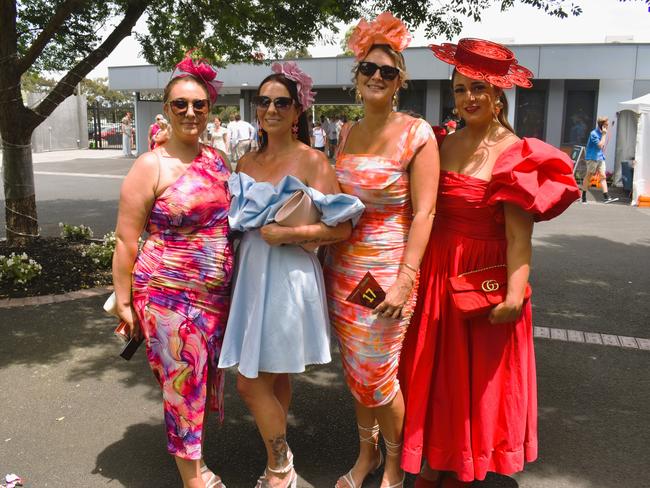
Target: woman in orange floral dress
[390,161]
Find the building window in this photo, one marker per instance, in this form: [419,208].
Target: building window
[530,113]
[413,98]
[579,111]
[446,101]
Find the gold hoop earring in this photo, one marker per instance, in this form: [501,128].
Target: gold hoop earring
[454,111]
[395,99]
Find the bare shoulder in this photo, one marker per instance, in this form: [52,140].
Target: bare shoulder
[504,139]
[451,141]
[402,120]
[315,160]
[245,160]
[145,163]
[316,163]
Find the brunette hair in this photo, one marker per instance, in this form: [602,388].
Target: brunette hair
[502,117]
[170,84]
[303,127]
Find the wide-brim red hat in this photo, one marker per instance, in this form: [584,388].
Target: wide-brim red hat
[484,60]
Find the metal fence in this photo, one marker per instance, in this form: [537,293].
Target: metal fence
[104,126]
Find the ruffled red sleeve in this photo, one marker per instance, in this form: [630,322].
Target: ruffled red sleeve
[536,177]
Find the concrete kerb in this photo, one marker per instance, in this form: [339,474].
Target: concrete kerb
[48,299]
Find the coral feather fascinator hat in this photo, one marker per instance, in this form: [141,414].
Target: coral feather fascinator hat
[385,29]
[484,60]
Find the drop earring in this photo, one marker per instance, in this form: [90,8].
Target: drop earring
[357,96]
[454,111]
[294,130]
[498,106]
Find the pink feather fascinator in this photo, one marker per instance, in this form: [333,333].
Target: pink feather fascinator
[202,70]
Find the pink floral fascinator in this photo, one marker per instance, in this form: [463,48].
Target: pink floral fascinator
[202,70]
[303,81]
[385,29]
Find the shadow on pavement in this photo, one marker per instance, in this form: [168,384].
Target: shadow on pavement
[593,415]
[100,215]
[591,284]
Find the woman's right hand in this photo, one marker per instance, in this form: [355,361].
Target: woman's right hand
[133,329]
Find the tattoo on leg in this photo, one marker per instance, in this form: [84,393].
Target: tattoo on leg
[280,450]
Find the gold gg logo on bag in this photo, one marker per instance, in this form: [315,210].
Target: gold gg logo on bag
[489,285]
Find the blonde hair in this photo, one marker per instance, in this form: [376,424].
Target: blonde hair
[397,58]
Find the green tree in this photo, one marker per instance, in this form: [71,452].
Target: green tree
[297,53]
[97,91]
[346,51]
[71,36]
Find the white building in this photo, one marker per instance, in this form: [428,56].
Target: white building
[573,85]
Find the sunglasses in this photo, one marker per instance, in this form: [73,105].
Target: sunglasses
[280,103]
[180,105]
[366,68]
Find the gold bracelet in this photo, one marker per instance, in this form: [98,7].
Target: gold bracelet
[410,267]
[407,275]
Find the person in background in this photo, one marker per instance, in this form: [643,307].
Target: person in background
[127,130]
[162,135]
[243,133]
[332,131]
[153,130]
[450,126]
[175,290]
[219,137]
[318,137]
[595,159]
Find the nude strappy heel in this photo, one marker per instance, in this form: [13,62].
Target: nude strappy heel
[371,436]
[293,476]
[394,449]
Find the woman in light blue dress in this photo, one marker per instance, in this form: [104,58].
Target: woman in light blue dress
[278,319]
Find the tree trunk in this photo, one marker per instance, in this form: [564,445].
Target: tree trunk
[21,222]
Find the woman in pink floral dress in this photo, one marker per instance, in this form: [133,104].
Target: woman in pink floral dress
[176,290]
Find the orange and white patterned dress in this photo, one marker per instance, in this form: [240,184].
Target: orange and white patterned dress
[370,345]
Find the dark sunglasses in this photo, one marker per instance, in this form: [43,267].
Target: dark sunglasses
[366,68]
[280,103]
[180,105]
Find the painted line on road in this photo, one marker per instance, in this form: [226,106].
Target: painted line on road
[578,336]
[82,175]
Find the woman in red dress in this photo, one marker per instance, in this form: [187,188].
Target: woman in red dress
[470,384]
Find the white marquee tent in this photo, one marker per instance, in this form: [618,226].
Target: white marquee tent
[634,127]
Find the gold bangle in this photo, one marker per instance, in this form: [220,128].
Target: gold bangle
[410,267]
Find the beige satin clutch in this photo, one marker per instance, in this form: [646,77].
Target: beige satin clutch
[297,210]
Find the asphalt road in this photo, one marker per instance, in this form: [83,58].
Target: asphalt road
[75,415]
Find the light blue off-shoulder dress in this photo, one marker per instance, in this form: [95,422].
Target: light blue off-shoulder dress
[278,320]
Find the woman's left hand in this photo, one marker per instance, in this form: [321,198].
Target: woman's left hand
[274,234]
[396,298]
[505,312]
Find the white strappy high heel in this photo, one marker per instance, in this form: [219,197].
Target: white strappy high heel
[293,476]
[394,449]
[210,479]
[371,437]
